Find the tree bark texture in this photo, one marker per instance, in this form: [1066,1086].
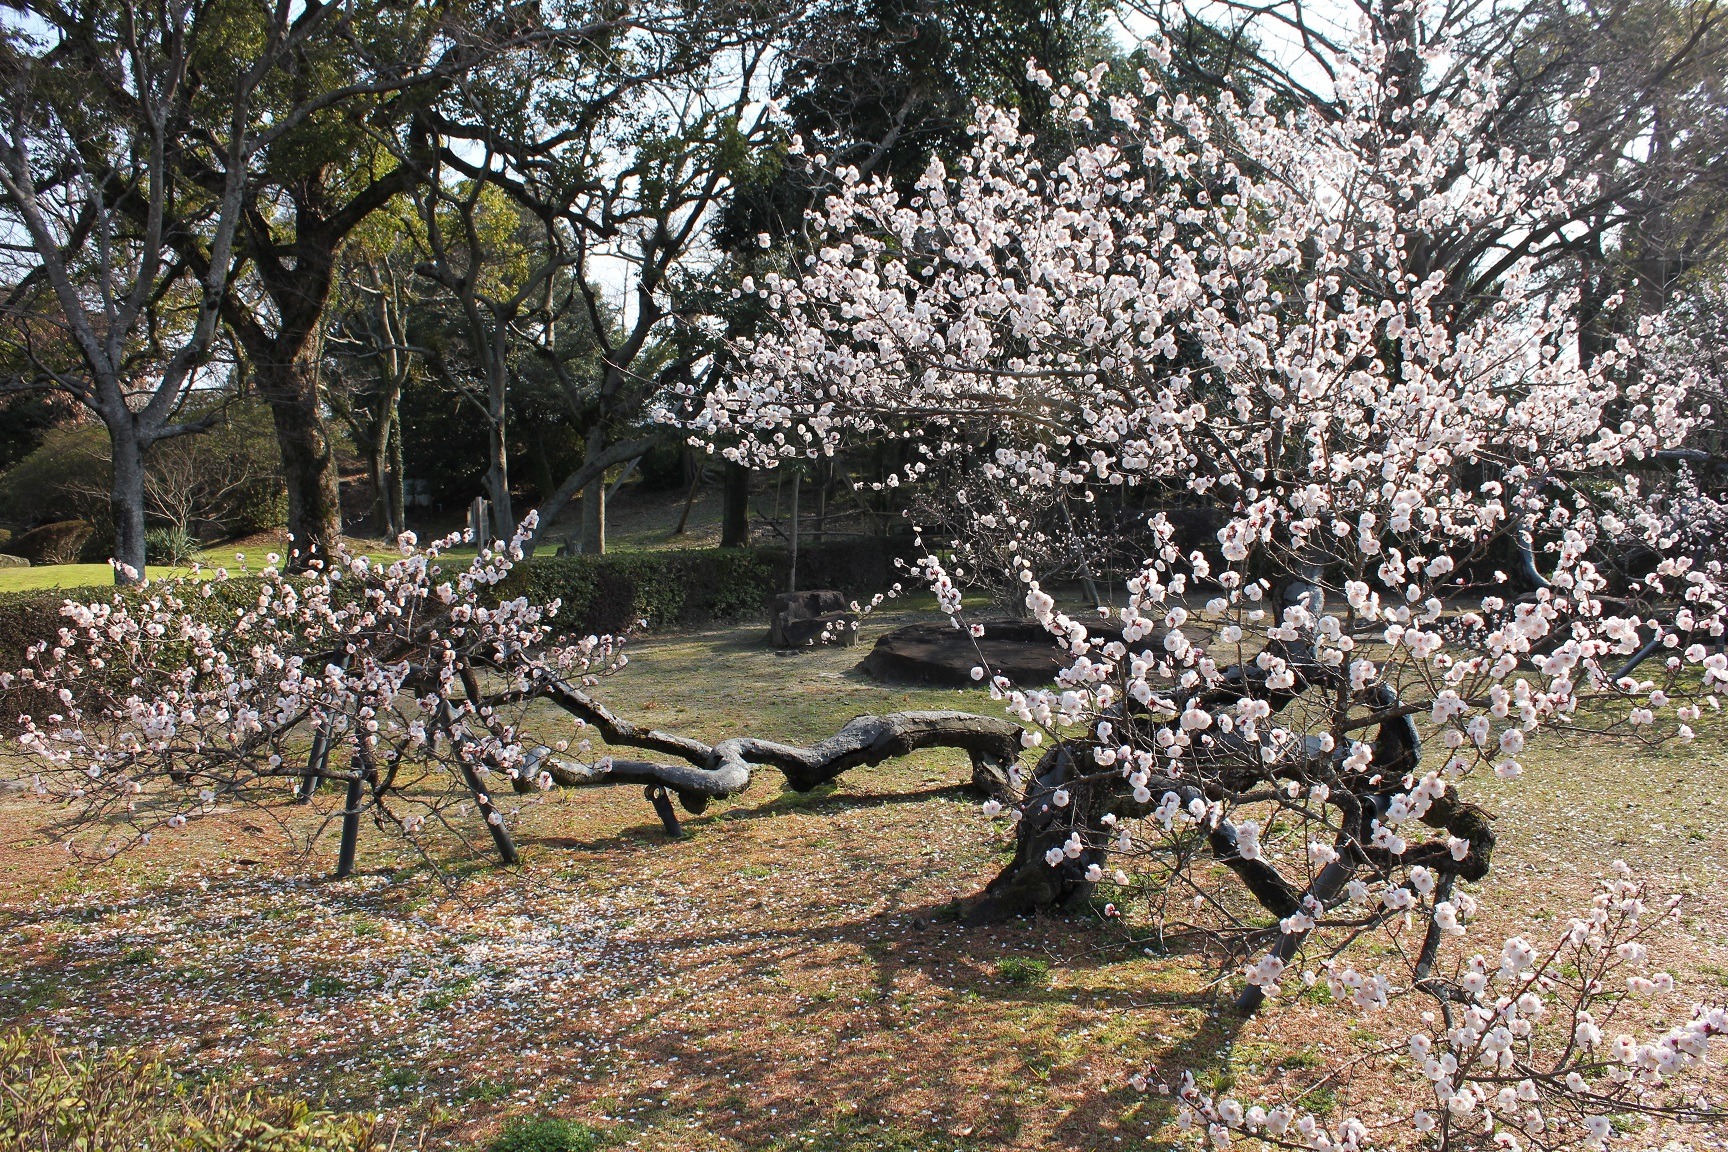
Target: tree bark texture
[308,456]
[126,501]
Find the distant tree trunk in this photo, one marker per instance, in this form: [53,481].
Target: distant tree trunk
[824,477]
[498,441]
[735,517]
[594,501]
[397,485]
[126,500]
[498,484]
[377,453]
[693,470]
[594,518]
[592,472]
[543,478]
[308,456]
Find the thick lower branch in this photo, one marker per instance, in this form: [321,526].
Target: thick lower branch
[869,740]
[617,731]
[729,766]
[693,785]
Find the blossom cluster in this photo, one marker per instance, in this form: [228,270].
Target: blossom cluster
[1531,1048]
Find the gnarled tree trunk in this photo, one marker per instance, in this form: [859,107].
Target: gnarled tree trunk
[308,450]
[1073,807]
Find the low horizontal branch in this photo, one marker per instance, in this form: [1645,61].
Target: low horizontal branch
[731,765]
[617,731]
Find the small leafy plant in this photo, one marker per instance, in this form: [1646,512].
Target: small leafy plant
[548,1134]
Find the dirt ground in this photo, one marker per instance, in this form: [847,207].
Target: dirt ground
[788,976]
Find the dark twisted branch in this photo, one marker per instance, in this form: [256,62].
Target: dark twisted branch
[1073,802]
[712,772]
[727,768]
[614,729]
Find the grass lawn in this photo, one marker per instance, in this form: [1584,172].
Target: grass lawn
[101,576]
[40,576]
[784,978]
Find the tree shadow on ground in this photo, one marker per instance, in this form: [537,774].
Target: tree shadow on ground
[778,997]
[826,798]
[929,1018]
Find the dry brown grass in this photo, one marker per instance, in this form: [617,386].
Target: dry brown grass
[787,977]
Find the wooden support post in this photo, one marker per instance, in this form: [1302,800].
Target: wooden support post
[792,577]
[494,818]
[656,795]
[350,827]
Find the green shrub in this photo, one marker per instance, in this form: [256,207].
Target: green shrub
[238,477]
[226,478]
[547,1135]
[668,589]
[98,548]
[57,543]
[1018,970]
[53,1096]
[26,617]
[67,478]
[258,507]
[174,547]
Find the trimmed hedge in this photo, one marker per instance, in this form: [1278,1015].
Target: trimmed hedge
[670,589]
[25,618]
[690,588]
[667,589]
[57,543]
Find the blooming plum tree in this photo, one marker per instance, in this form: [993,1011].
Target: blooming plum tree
[1218,299]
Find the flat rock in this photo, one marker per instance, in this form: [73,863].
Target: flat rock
[942,654]
[7,561]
